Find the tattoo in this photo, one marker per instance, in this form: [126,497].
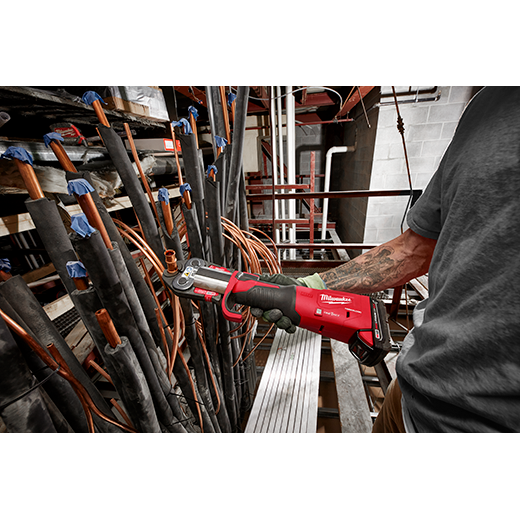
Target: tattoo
[374,271]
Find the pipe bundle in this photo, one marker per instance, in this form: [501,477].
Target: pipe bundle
[176,366]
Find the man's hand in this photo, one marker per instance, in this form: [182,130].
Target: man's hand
[276,316]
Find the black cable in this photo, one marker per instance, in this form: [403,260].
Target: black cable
[21,396]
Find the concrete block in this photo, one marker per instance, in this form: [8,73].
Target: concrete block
[382,151]
[378,221]
[424,132]
[387,135]
[388,167]
[460,94]
[448,130]
[413,149]
[421,164]
[448,112]
[384,235]
[434,148]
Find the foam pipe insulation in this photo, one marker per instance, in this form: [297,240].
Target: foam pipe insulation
[27,414]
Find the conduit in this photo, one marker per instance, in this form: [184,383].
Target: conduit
[274,163]
[291,162]
[328,167]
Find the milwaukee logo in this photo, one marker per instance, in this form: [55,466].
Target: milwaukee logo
[325,298]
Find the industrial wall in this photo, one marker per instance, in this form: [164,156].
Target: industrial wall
[430,119]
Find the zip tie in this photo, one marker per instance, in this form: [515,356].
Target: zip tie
[52,136]
[34,387]
[17,152]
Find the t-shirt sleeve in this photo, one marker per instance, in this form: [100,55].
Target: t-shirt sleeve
[425,216]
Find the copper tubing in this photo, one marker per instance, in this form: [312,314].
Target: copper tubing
[163,336]
[96,105]
[193,124]
[141,172]
[117,406]
[186,195]
[167,215]
[98,369]
[107,326]
[62,157]
[87,204]
[30,180]
[80,283]
[58,363]
[171,261]
[225,113]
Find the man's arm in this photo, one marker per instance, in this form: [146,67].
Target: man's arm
[389,265]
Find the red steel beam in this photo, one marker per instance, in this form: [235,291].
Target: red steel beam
[353,100]
[333,194]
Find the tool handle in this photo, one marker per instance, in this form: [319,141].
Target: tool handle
[247,290]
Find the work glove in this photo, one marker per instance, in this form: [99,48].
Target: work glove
[276,316]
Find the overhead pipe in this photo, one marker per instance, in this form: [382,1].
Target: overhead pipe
[328,165]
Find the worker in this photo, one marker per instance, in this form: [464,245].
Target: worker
[459,367]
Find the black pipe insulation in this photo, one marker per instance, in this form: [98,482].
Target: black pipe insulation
[20,413]
[143,291]
[212,205]
[60,423]
[57,388]
[54,236]
[222,165]
[130,383]
[101,270]
[193,231]
[24,302]
[133,187]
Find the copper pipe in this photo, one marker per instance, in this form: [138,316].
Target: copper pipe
[193,390]
[98,369]
[29,179]
[163,336]
[186,195]
[225,113]
[62,156]
[193,124]
[5,276]
[167,215]
[141,172]
[125,417]
[81,283]
[171,261]
[107,326]
[87,204]
[59,364]
[96,105]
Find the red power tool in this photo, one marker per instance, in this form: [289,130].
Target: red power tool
[350,318]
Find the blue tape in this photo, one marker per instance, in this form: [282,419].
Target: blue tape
[52,136]
[184,187]
[210,168]
[194,111]
[81,226]
[17,152]
[79,187]
[230,98]
[164,195]
[220,141]
[185,125]
[76,269]
[90,96]
[5,265]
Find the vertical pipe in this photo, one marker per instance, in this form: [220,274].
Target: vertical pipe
[291,163]
[274,164]
[280,142]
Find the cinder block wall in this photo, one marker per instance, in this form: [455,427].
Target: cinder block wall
[429,127]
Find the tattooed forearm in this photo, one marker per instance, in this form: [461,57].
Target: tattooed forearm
[388,265]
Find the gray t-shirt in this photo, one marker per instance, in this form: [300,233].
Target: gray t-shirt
[462,373]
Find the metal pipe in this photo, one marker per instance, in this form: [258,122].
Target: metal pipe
[62,156]
[291,161]
[29,179]
[171,261]
[274,164]
[107,326]
[336,194]
[280,143]
[328,164]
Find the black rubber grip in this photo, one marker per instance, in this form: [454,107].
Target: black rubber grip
[281,297]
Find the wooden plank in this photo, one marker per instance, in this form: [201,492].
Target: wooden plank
[354,413]
[58,307]
[287,397]
[23,222]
